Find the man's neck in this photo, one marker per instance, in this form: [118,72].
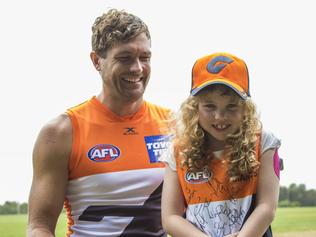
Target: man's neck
[119,107]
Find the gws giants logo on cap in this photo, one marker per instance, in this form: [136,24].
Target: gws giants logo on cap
[198,177]
[218,63]
[221,68]
[103,153]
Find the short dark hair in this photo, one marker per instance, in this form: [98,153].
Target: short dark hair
[115,26]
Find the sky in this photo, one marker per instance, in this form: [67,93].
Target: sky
[45,69]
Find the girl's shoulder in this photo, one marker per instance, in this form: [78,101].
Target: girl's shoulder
[269,141]
[168,157]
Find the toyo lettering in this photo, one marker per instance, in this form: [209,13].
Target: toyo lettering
[156,146]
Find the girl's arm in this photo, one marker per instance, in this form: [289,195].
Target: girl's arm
[267,199]
[173,208]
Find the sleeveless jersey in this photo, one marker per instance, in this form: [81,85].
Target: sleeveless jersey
[115,179]
[214,205]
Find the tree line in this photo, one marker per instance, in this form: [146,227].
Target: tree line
[297,196]
[13,208]
[292,196]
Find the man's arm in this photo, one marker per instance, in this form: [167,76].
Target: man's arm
[50,176]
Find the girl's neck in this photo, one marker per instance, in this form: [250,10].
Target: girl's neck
[214,144]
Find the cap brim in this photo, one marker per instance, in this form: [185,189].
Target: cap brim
[235,88]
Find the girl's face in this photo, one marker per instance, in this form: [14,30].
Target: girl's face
[220,113]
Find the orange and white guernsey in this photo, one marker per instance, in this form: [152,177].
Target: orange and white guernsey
[214,205]
[115,178]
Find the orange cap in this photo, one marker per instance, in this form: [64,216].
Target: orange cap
[221,68]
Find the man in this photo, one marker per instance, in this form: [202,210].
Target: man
[100,158]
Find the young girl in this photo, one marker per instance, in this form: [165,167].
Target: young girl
[222,173]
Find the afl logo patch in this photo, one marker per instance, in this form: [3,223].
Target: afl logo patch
[103,153]
[197,177]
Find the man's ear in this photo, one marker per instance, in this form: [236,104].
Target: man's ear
[95,60]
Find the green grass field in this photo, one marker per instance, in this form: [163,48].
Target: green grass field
[295,219]
[15,226]
[287,220]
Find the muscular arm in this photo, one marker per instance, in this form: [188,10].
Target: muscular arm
[173,207]
[267,199]
[50,176]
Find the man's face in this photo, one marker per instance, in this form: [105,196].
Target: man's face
[125,70]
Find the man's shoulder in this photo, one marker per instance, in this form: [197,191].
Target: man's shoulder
[160,110]
[59,126]
[158,107]
[81,106]
[55,137]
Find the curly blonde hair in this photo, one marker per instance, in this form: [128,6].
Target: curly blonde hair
[190,142]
